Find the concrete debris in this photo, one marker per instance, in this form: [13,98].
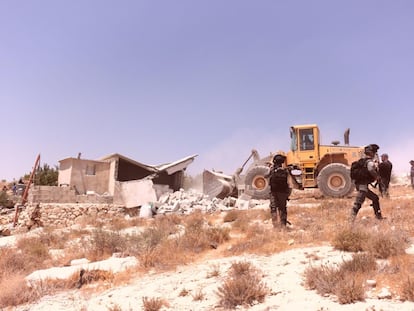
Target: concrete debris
[384,294]
[113,264]
[4,231]
[186,202]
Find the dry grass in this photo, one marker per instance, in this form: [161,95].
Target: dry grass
[214,272]
[382,243]
[14,291]
[407,290]
[153,304]
[350,239]
[198,295]
[345,281]
[186,238]
[231,215]
[242,287]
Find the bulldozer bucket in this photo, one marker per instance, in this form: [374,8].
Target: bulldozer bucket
[218,185]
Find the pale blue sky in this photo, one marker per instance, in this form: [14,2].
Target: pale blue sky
[158,81]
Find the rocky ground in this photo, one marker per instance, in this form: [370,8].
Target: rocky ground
[281,272]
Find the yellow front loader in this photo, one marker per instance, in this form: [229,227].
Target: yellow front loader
[312,165]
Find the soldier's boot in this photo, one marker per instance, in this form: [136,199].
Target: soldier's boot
[377,210]
[274,218]
[354,212]
[283,219]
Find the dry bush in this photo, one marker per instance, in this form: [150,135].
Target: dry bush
[214,272]
[350,239]
[168,223]
[242,287]
[103,244]
[149,257]
[386,244]
[54,238]
[115,307]
[241,268]
[231,215]
[50,286]
[34,252]
[119,223]
[11,262]
[350,289]
[198,295]
[332,280]
[76,280]
[243,217]
[407,290]
[360,263]
[166,255]
[246,217]
[196,241]
[259,240]
[397,274]
[87,221]
[320,223]
[152,236]
[14,291]
[323,279]
[153,246]
[153,304]
[345,281]
[199,236]
[184,292]
[90,276]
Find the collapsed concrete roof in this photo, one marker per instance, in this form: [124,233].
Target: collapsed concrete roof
[170,168]
[104,175]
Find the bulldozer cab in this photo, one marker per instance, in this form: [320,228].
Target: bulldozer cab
[304,151]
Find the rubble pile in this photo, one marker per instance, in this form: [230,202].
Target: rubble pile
[181,202]
[188,201]
[185,202]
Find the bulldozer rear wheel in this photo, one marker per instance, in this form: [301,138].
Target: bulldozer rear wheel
[334,180]
[256,185]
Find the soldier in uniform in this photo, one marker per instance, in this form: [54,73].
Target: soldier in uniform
[362,185]
[279,190]
[384,169]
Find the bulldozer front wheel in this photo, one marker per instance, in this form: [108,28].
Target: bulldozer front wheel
[256,185]
[334,180]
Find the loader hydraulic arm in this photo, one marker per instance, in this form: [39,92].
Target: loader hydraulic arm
[253,154]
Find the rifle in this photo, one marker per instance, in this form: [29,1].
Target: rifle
[381,186]
[378,182]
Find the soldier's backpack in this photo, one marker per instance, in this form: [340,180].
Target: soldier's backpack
[278,180]
[359,171]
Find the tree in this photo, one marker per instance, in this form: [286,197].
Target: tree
[46,176]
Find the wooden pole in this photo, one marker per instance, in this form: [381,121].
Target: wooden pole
[26,190]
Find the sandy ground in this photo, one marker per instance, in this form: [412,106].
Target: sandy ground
[282,273]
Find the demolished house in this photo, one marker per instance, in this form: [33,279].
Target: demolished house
[113,179]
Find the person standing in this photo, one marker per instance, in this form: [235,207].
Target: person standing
[384,169]
[279,190]
[369,175]
[412,173]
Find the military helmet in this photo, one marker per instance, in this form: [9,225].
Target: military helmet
[371,149]
[279,158]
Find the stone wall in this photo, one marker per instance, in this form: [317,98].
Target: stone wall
[57,214]
[49,194]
